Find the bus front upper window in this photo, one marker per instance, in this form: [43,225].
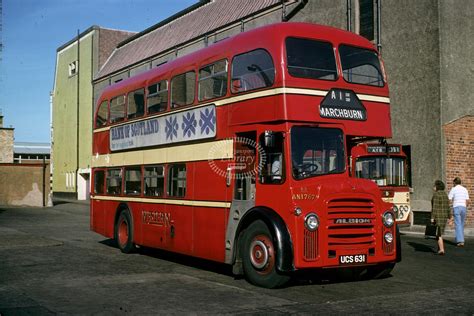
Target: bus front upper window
[316,151]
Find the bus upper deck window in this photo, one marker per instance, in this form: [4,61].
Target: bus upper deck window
[311,59]
[117,109]
[157,99]
[361,66]
[182,89]
[213,81]
[252,70]
[102,115]
[136,103]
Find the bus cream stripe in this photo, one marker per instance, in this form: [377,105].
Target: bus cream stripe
[223,149]
[261,94]
[373,98]
[163,201]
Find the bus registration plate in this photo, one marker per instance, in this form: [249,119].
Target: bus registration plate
[352,259]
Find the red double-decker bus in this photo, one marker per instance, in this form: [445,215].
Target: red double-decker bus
[237,153]
[386,165]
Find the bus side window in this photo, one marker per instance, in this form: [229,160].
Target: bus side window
[102,115]
[157,98]
[213,81]
[117,109]
[154,180]
[183,89]
[177,180]
[252,70]
[136,103]
[133,180]
[114,181]
[99,177]
[272,163]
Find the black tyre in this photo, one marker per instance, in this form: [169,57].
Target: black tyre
[259,257]
[124,232]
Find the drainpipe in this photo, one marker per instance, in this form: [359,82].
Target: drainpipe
[349,15]
[77,113]
[379,26]
[288,16]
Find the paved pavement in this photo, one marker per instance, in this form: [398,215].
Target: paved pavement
[50,263]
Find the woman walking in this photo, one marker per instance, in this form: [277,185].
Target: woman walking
[440,211]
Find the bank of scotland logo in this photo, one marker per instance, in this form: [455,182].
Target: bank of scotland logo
[171,128]
[207,121]
[189,125]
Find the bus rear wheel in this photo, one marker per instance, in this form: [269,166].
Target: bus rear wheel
[259,256]
[124,232]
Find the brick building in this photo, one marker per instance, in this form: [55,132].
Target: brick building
[6,142]
[427,48]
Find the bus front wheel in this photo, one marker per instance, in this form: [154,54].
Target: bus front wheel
[124,232]
[259,256]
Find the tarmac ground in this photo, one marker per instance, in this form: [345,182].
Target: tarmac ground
[51,263]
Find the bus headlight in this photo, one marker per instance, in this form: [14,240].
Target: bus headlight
[388,219]
[388,237]
[311,221]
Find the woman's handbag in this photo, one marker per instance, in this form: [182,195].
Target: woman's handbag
[431,230]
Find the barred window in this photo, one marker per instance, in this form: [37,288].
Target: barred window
[154,180]
[117,109]
[102,115]
[182,89]
[99,177]
[133,180]
[213,81]
[136,103]
[114,181]
[177,180]
[157,99]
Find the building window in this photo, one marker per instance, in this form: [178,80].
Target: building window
[73,68]
[99,177]
[102,115]
[252,70]
[183,89]
[366,19]
[114,181]
[154,180]
[177,180]
[117,109]
[136,103]
[133,180]
[213,81]
[157,99]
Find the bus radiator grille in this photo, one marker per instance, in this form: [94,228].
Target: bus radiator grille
[350,222]
[310,245]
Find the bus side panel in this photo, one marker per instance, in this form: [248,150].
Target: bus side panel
[110,208]
[97,216]
[154,223]
[209,186]
[180,232]
[209,232]
[101,143]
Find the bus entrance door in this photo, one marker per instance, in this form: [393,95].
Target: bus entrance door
[243,170]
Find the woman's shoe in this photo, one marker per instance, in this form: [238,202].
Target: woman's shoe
[440,253]
[461,244]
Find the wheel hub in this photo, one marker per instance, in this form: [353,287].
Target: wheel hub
[259,255]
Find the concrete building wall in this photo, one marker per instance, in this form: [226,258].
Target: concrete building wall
[457,58]
[22,184]
[412,65]
[71,91]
